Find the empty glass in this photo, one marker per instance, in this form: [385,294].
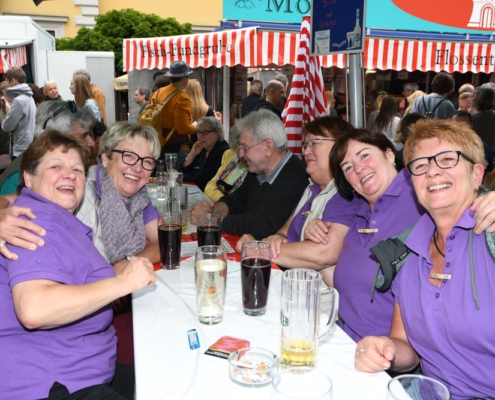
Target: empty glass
[417,387]
[301,384]
[170,161]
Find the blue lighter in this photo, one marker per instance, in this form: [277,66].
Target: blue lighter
[193,338]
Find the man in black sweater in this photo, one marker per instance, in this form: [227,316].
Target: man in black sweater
[273,187]
[275,95]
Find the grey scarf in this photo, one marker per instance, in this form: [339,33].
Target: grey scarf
[121,220]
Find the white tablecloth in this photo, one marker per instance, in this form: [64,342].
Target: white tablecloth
[167,368]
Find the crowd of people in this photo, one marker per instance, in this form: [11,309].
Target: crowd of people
[78,230]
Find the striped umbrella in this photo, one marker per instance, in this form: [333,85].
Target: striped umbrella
[307,99]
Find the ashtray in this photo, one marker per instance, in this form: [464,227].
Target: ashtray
[252,366]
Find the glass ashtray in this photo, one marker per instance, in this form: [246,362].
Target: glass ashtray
[253,366]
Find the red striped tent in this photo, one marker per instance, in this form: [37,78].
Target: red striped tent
[253,47]
[9,58]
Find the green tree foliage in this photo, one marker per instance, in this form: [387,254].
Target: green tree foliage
[114,26]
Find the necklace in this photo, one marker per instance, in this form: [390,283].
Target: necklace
[436,245]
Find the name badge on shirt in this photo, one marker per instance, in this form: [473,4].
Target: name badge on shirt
[306,213]
[440,276]
[367,230]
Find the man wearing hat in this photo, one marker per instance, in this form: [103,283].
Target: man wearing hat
[177,112]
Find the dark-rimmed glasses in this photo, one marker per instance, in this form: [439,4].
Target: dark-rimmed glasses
[131,158]
[71,105]
[204,133]
[315,142]
[444,160]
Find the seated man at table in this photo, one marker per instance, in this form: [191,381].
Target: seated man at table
[273,186]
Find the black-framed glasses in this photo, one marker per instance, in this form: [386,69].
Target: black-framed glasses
[71,105]
[315,142]
[205,133]
[245,149]
[444,160]
[131,158]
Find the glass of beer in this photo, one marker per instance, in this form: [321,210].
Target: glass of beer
[256,265]
[210,265]
[208,229]
[169,239]
[300,316]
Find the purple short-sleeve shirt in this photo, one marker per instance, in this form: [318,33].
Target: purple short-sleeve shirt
[77,355]
[394,211]
[454,340]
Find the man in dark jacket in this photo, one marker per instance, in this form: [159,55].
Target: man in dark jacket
[275,95]
[251,101]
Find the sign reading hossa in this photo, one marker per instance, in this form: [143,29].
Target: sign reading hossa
[467,14]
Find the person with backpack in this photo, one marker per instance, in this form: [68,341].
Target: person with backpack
[436,104]
[445,291]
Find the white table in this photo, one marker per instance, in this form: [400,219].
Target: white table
[167,368]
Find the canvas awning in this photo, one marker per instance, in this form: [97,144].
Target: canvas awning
[11,57]
[254,47]
[121,83]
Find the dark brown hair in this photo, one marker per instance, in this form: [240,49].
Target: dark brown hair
[49,141]
[327,126]
[339,151]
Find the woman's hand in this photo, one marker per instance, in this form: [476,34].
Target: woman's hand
[484,208]
[18,231]
[276,242]
[195,149]
[317,230]
[137,273]
[244,238]
[374,354]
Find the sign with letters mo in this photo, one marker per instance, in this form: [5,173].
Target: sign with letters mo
[337,26]
[289,11]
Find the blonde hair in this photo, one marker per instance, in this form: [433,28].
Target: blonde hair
[195,93]
[83,90]
[330,99]
[412,99]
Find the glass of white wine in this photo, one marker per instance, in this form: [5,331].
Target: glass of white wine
[210,267]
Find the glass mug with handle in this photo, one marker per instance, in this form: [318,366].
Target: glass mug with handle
[300,315]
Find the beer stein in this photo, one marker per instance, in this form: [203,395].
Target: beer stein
[300,315]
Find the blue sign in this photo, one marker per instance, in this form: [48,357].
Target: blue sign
[286,11]
[337,26]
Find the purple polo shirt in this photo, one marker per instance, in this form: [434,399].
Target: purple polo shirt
[394,211]
[150,213]
[454,339]
[77,355]
[337,210]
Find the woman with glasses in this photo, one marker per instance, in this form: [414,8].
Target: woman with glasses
[444,293]
[205,157]
[289,247]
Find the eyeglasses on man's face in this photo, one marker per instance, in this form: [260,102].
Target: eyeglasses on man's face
[313,143]
[71,105]
[444,160]
[131,158]
[245,149]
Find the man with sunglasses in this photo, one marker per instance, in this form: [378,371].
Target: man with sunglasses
[22,112]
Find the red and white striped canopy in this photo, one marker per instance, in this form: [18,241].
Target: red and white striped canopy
[10,58]
[253,47]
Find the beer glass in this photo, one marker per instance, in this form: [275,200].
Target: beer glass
[170,161]
[300,316]
[208,229]
[169,239]
[417,387]
[210,265]
[256,265]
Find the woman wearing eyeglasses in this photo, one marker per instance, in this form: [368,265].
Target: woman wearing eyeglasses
[289,247]
[444,293]
[205,157]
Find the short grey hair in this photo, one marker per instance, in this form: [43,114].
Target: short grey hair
[66,122]
[265,125]
[144,91]
[412,86]
[84,72]
[214,125]
[256,85]
[282,79]
[125,131]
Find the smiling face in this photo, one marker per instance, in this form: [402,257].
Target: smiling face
[51,91]
[128,179]
[209,139]
[317,157]
[368,169]
[255,157]
[451,190]
[59,178]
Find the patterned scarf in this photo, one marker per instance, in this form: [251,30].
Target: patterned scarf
[121,219]
[231,166]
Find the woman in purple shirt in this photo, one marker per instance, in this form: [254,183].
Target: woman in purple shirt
[56,336]
[444,293]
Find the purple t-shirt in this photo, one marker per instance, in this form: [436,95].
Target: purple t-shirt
[77,355]
[454,340]
[394,211]
[337,210]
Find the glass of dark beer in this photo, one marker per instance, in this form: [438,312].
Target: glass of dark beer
[169,239]
[255,276]
[209,232]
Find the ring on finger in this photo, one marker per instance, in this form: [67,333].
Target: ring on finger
[2,243]
[359,352]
